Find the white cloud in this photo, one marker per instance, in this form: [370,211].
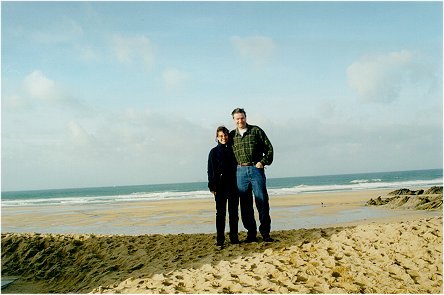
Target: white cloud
[88,53]
[38,90]
[173,78]
[381,78]
[327,108]
[130,146]
[37,85]
[259,49]
[306,146]
[66,31]
[14,102]
[133,49]
[78,135]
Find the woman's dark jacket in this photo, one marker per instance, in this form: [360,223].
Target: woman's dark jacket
[222,168]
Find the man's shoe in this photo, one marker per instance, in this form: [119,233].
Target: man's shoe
[220,244]
[234,238]
[268,239]
[251,240]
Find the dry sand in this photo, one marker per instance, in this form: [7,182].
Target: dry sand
[391,258]
[402,254]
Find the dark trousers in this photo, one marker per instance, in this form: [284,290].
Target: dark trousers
[222,198]
[252,180]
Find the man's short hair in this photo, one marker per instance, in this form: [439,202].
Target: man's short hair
[238,111]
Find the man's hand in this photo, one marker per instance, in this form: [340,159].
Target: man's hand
[259,165]
[214,193]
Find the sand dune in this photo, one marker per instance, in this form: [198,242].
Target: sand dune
[391,258]
[398,257]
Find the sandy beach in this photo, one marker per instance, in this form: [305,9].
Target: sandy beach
[195,216]
[386,251]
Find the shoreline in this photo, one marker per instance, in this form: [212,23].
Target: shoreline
[198,215]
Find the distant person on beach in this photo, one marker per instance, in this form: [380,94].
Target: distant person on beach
[222,184]
[253,150]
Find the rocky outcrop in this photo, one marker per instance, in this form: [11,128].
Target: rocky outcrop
[434,190]
[405,192]
[431,199]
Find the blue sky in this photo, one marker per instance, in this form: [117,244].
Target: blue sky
[119,93]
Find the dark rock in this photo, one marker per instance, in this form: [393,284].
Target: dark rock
[371,202]
[434,190]
[408,199]
[405,192]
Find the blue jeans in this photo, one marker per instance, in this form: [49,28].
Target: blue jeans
[252,180]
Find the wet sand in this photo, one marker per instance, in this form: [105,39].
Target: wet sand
[195,216]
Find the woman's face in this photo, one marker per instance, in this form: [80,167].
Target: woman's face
[222,137]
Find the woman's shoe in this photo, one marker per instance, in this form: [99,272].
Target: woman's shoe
[268,239]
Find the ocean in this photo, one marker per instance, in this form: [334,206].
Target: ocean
[199,190]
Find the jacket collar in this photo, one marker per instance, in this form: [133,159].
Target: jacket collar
[220,145]
[237,130]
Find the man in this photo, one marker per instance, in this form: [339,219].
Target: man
[253,150]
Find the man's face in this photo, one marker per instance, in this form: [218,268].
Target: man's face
[240,120]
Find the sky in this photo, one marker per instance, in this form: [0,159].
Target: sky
[129,93]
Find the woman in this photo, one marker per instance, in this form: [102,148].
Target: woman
[222,184]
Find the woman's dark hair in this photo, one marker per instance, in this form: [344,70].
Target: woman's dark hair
[223,129]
